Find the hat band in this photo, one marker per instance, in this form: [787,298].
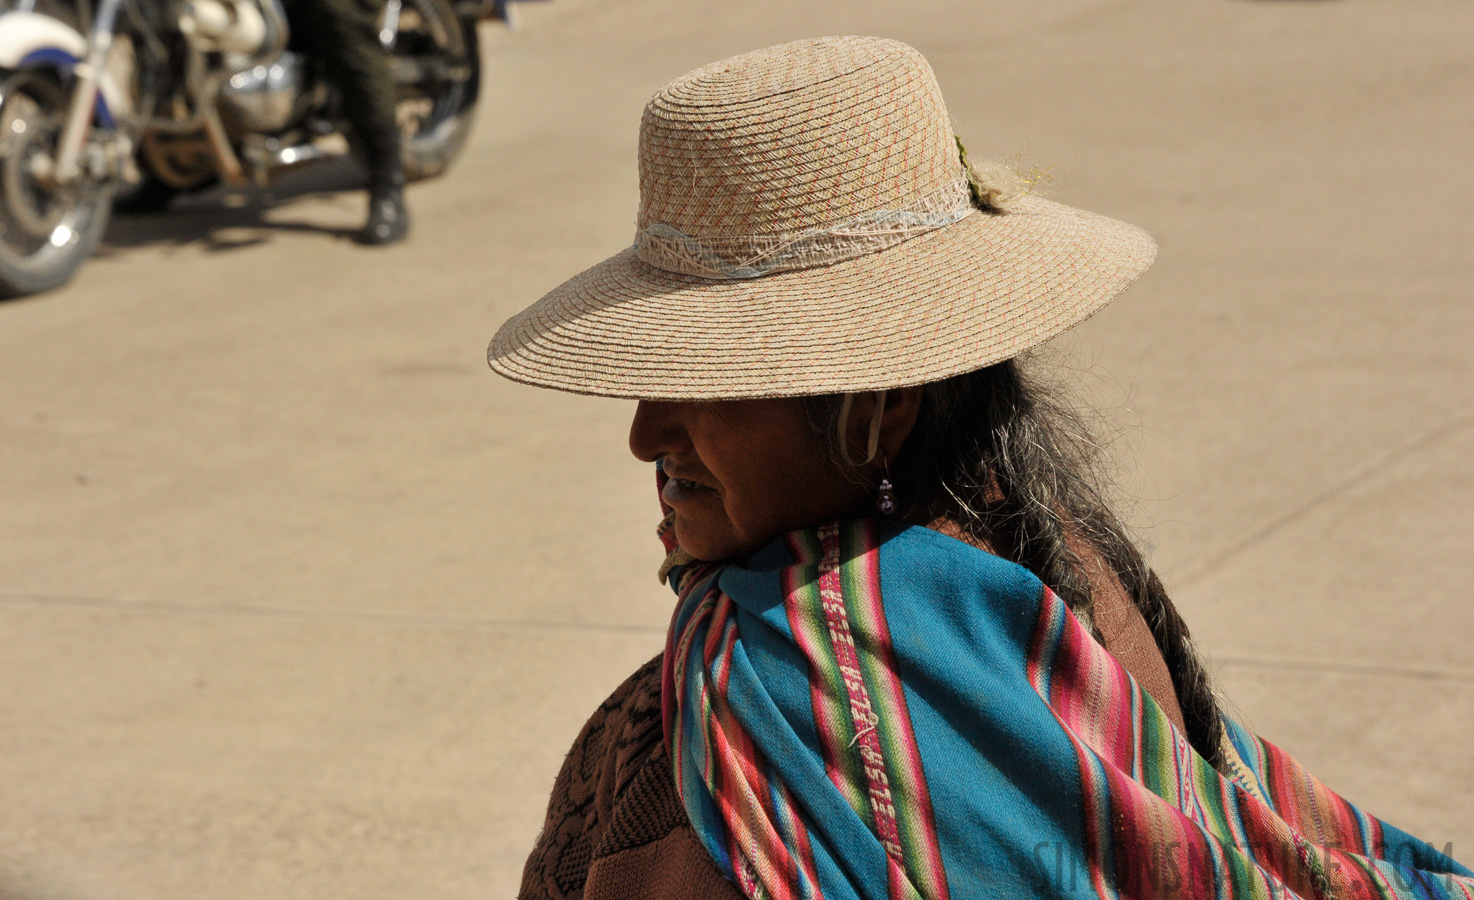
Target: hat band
[666,247]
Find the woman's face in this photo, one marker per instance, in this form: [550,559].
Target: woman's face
[741,472]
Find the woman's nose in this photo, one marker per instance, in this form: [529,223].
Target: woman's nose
[657,430]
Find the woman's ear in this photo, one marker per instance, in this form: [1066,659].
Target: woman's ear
[902,406]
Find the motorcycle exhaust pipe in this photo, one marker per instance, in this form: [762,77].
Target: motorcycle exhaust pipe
[267,160]
[300,155]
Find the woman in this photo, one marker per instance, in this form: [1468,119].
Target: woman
[914,652]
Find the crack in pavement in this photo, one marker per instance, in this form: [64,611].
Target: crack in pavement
[358,617]
[1424,673]
[1200,570]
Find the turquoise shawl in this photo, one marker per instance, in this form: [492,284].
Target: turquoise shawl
[875,710]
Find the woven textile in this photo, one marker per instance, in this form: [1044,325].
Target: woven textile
[868,710]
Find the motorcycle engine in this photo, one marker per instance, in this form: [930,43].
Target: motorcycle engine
[262,99]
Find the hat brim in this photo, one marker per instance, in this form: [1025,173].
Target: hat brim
[979,291]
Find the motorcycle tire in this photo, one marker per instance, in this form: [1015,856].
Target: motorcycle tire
[439,139]
[46,231]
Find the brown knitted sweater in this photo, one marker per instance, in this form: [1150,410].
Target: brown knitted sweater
[616,829]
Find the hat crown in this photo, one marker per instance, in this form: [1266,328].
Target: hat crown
[795,138]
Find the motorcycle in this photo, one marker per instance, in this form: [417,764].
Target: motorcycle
[155,98]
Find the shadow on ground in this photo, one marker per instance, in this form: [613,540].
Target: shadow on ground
[222,218]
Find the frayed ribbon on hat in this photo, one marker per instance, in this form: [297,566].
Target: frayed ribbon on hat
[668,248]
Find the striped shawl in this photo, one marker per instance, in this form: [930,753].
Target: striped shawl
[870,710]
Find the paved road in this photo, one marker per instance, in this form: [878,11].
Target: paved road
[297,600]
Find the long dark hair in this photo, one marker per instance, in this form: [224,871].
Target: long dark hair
[1019,471]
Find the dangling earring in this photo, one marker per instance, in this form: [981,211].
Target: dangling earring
[886,499]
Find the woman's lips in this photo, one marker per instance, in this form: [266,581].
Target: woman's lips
[679,489]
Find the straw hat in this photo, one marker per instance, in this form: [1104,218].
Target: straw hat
[807,226]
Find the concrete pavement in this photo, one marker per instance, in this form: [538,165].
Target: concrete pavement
[298,600]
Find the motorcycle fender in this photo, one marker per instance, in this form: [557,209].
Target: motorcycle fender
[31,39]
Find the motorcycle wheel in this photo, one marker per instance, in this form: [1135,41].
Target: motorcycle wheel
[436,62]
[46,230]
